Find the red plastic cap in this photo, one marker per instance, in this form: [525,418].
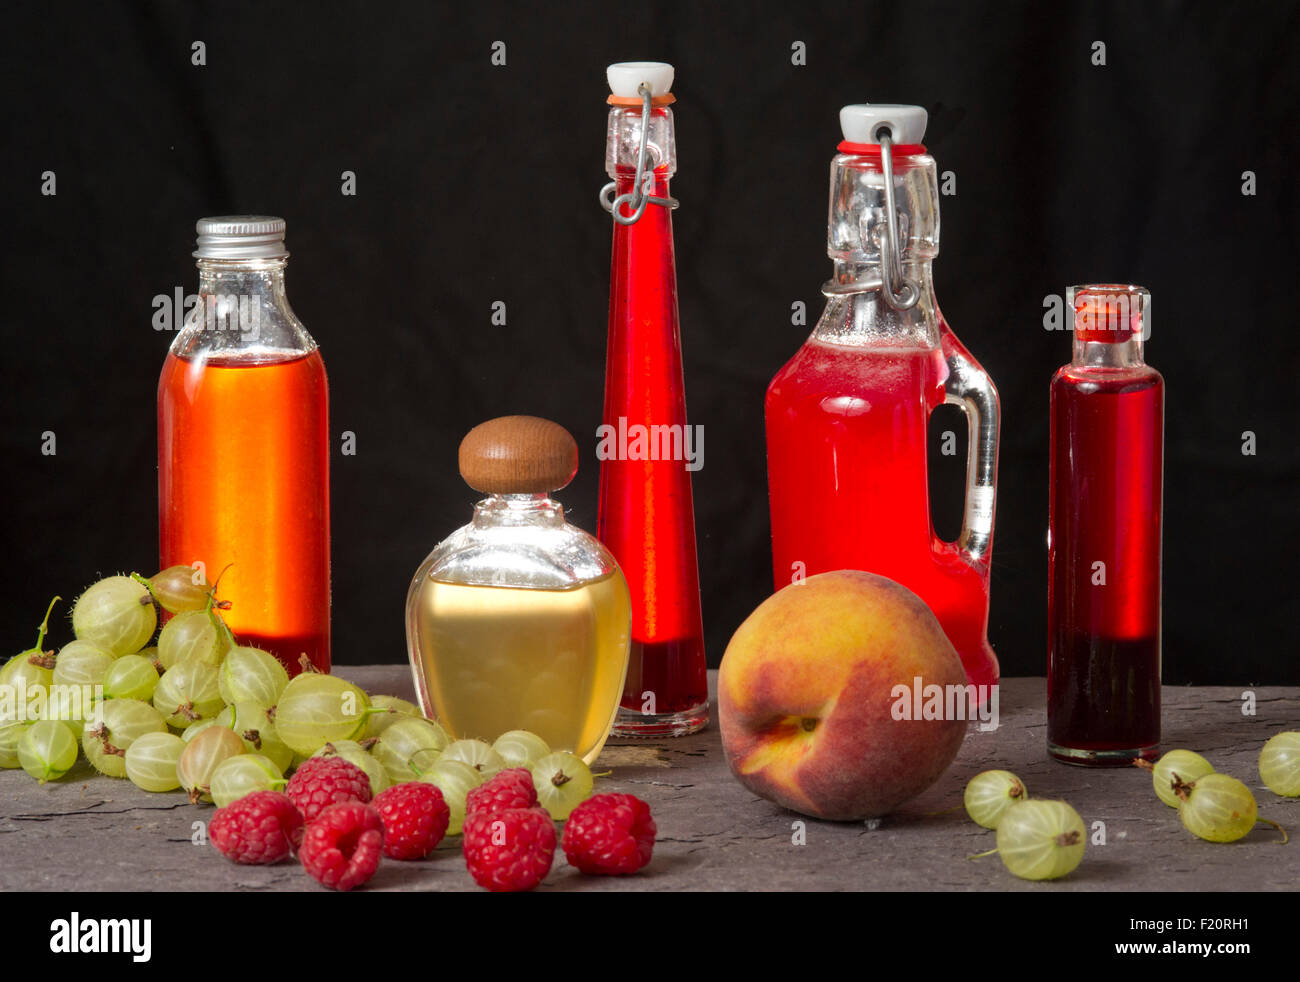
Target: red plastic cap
[1110,313]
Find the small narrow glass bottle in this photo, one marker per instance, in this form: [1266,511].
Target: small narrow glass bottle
[1104,539]
[518,620]
[243,445]
[646,515]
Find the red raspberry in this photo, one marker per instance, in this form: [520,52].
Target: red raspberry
[258,829]
[610,833]
[415,819]
[509,850]
[341,847]
[324,781]
[511,788]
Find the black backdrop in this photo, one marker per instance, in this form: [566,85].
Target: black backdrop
[477,183]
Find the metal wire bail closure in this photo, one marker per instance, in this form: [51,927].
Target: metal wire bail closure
[891,262]
[640,195]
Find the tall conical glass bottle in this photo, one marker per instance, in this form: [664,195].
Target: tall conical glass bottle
[847,415]
[647,450]
[243,445]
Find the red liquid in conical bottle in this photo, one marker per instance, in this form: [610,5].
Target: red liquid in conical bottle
[646,516]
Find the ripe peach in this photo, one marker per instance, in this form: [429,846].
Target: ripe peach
[807,697]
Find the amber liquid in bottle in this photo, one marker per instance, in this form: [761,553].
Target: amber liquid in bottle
[495,659]
[519,620]
[243,488]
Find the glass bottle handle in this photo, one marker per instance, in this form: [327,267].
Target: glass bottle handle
[970,387]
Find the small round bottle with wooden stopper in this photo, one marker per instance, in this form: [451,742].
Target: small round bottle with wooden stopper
[518,620]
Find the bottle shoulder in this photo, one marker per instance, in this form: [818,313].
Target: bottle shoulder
[244,317]
[553,556]
[1092,378]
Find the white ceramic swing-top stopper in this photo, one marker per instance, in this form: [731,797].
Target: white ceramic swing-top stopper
[625,77]
[862,123]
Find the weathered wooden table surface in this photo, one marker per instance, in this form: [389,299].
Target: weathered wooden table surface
[87,832]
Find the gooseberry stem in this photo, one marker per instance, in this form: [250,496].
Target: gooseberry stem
[45,625]
[945,811]
[213,591]
[981,855]
[145,582]
[218,621]
[1268,821]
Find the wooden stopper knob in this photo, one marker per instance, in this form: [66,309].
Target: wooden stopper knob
[518,455]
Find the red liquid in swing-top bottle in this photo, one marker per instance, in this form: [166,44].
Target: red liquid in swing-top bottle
[646,514]
[847,415]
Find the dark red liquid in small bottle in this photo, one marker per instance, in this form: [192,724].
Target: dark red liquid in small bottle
[646,516]
[1103,672]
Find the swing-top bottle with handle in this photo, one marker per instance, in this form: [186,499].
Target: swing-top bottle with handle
[847,415]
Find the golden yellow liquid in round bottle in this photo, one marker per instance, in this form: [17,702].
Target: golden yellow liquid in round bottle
[496,658]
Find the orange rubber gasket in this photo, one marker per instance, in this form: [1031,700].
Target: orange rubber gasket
[635,100]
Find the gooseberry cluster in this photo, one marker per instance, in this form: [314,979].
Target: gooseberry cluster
[1037,839]
[197,711]
[1218,807]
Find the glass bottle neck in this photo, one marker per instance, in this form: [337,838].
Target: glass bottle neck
[857,242]
[263,278]
[866,318]
[1110,322]
[1108,354]
[623,142]
[858,219]
[849,271]
[518,510]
